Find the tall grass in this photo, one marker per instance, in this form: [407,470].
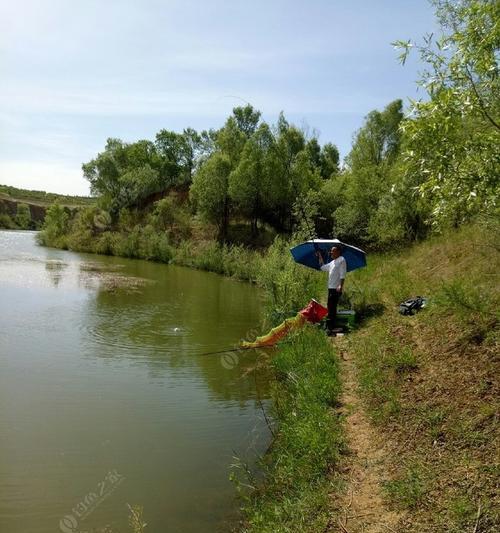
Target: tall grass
[308,443]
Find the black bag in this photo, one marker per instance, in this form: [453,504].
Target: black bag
[409,307]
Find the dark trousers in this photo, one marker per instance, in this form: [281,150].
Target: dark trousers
[333,300]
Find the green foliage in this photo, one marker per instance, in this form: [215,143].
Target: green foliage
[168,217]
[329,160]
[136,184]
[453,148]
[247,119]
[42,197]
[289,286]
[23,216]
[229,260]
[179,154]
[55,226]
[370,177]
[249,182]
[308,443]
[324,158]
[294,174]
[210,190]
[257,172]
[6,221]
[377,143]
[124,174]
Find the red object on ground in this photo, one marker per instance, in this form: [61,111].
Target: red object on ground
[314,312]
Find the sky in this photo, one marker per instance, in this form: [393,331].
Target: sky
[75,72]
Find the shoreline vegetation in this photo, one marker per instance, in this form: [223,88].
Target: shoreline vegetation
[419,191]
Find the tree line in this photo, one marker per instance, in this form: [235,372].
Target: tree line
[410,171]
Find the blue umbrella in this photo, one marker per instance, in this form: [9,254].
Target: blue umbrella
[305,253]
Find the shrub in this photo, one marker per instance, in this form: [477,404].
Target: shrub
[6,221]
[23,216]
[289,285]
[55,226]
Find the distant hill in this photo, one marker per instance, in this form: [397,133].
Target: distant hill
[43,198]
[25,209]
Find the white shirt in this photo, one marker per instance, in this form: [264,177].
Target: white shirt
[337,270]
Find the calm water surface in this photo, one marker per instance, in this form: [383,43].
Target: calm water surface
[106,400]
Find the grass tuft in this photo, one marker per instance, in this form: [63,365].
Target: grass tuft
[308,443]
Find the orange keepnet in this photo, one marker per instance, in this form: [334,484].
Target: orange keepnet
[313,312]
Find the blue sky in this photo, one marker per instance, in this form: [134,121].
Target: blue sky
[75,72]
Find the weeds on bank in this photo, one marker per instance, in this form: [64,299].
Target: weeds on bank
[308,442]
[408,490]
[430,381]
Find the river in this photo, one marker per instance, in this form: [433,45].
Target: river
[106,398]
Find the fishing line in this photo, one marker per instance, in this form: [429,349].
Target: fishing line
[242,349]
[221,351]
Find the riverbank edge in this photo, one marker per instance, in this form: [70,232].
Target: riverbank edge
[435,422]
[231,260]
[300,465]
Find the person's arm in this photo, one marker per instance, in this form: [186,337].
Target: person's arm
[325,267]
[343,272]
[321,261]
[320,258]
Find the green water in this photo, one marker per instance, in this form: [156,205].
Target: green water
[106,400]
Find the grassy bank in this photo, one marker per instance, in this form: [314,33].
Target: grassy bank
[430,381]
[308,441]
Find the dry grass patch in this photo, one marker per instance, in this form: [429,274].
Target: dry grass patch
[430,382]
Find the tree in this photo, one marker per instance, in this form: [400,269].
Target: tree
[378,141]
[231,140]
[23,216]
[55,224]
[191,150]
[179,155]
[292,174]
[104,171]
[453,148]
[210,191]
[329,160]
[247,118]
[369,172]
[124,174]
[135,185]
[249,181]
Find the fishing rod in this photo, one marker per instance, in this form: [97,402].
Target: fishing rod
[229,350]
[222,351]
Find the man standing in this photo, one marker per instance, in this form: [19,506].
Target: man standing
[336,269]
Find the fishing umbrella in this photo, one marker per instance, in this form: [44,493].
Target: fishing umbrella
[305,253]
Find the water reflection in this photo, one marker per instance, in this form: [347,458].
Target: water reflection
[55,269]
[172,321]
[100,369]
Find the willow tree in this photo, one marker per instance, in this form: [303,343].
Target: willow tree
[453,138]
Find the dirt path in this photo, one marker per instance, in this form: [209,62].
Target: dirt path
[362,509]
